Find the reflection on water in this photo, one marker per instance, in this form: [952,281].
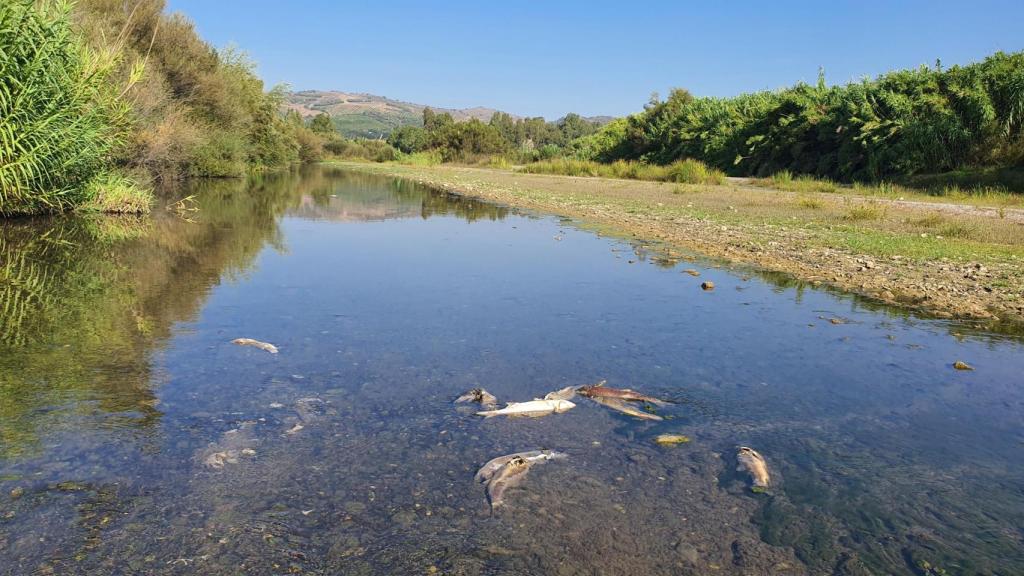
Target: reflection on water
[345,454]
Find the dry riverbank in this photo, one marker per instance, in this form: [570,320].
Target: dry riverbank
[950,260]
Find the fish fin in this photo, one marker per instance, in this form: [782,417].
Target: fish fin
[601,383]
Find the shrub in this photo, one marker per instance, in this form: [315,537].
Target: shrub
[690,171]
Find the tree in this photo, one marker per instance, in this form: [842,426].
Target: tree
[321,124]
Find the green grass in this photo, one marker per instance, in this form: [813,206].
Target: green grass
[116,194]
[686,171]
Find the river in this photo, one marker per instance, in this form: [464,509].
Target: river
[135,438]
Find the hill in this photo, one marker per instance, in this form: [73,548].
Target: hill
[370,116]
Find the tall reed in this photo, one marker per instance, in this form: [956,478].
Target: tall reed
[60,115]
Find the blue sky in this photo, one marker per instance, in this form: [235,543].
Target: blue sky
[594,57]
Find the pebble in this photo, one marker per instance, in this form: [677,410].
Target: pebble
[692,272]
[707,285]
[961,365]
[17,493]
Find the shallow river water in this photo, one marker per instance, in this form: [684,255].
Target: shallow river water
[119,387]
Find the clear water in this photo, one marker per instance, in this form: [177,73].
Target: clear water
[388,300]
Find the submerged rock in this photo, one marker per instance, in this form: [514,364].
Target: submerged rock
[961,365]
[707,285]
[691,272]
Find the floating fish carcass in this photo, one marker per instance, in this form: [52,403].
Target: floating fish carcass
[480,396]
[599,390]
[625,407]
[255,344]
[753,463]
[505,472]
[567,393]
[495,464]
[533,408]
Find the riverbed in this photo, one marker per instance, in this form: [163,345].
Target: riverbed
[344,452]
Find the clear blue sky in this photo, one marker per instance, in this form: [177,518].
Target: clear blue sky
[594,57]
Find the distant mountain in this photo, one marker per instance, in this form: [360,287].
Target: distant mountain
[370,116]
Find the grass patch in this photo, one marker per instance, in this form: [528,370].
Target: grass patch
[428,158]
[116,194]
[785,180]
[864,212]
[810,202]
[686,171]
[956,230]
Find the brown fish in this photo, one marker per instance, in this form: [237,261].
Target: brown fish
[625,407]
[478,395]
[753,463]
[256,344]
[599,390]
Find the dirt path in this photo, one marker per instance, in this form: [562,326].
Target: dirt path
[947,260]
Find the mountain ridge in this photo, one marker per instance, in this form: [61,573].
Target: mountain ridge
[360,114]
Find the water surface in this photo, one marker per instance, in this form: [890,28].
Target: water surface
[387,300]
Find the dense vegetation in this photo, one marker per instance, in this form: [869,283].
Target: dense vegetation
[60,112]
[100,93]
[523,139]
[908,122]
[197,110]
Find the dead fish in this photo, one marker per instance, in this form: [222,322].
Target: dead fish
[626,408]
[567,393]
[753,463]
[508,476]
[256,344]
[533,408]
[602,391]
[488,470]
[506,472]
[478,395]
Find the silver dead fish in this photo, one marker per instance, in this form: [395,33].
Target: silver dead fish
[533,408]
[256,344]
[478,395]
[567,393]
[625,407]
[752,462]
[488,470]
[505,472]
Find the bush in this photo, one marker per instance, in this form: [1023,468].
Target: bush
[690,171]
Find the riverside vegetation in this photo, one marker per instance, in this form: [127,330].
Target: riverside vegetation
[100,97]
